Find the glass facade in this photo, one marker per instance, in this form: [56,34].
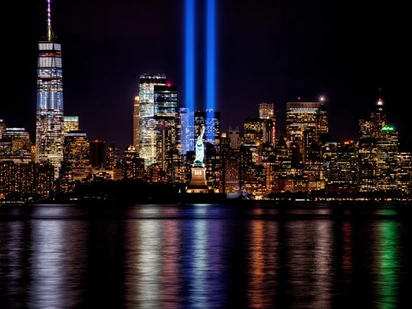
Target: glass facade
[147,123]
[157,119]
[77,154]
[211,120]
[305,116]
[136,123]
[70,123]
[49,113]
[185,132]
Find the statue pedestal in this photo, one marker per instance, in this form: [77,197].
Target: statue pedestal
[198,182]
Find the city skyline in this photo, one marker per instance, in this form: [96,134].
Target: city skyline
[97,77]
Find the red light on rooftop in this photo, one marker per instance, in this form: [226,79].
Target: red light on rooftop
[168,84]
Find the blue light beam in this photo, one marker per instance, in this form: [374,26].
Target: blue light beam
[190,54]
[210,59]
[190,41]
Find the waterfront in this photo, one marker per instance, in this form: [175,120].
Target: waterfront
[257,255]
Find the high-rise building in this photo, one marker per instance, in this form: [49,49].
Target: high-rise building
[267,114]
[147,121]
[2,127]
[234,135]
[98,153]
[112,157]
[378,119]
[266,110]
[166,115]
[305,122]
[49,113]
[136,123]
[405,172]
[387,159]
[370,135]
[132,165]
[70,123]
[252,131]
[77,154]
[340,166]
[367,158]
[185,131]
[15,145]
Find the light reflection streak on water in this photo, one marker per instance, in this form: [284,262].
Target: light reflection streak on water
[300,263]
[347,247]
[346,258]
[198,286]
[323,269]
[48,264]
[387,285]
[13,249]
[170,261]
[217,243]
[149,263]
[262,262]
[256,291]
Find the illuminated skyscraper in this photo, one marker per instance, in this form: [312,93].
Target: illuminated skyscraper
[49,114]
[378,119]
[15,145]
[147,121]
[2,127]
[306,122]
[112,157]
[165,114]
[253,131]
[370,135]
[136,123]
[387,159]
[405,172]
[267,114]
[266,110]
[185,130]
[70,123]
[132,165]
[234,135]
[77,154]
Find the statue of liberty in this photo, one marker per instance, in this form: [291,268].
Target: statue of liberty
[200,151]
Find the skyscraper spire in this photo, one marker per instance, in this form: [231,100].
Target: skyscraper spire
[49,28]
[380,101]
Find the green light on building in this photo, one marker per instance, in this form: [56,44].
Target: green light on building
[388,129]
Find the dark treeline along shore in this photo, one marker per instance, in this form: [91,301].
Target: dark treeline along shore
[135,191]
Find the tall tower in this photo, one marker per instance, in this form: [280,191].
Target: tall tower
[49,113]
[136,123]
[306,122]
[165,114]
[147,121]
[77,154]
[267,114]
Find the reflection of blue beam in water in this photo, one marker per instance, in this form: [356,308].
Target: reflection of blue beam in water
[194,263]
[189,59]
[210,57]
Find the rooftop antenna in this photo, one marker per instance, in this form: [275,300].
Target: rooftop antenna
[380,101]
[49,28]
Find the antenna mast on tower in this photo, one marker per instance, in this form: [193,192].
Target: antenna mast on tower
[49,28]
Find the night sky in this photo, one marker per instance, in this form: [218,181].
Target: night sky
[268,51]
